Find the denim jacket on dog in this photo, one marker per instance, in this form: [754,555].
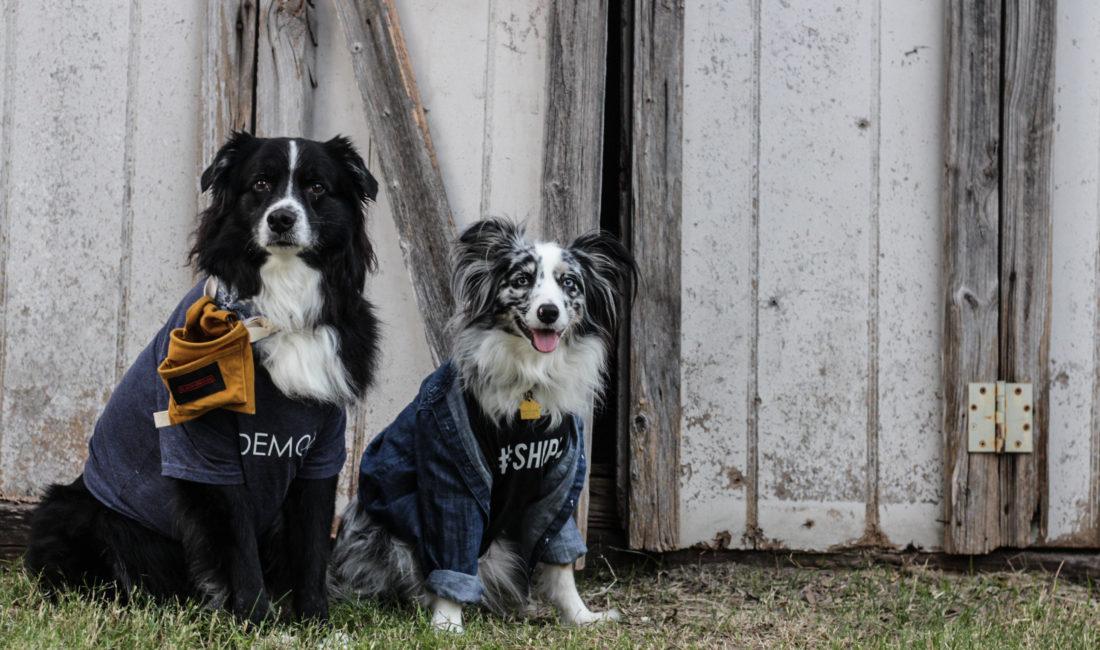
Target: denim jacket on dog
[424,478]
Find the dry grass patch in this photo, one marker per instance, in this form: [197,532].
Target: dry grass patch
[715,605]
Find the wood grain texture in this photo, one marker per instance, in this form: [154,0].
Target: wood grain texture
[656,203]
[286,64]
[572,156]
[572,168]
[971,245]
[15,528]
[399,130]
[1027,130]
[227,72]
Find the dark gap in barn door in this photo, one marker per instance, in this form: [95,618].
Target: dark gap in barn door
[607,514]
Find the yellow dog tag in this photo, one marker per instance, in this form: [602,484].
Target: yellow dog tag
[529,409]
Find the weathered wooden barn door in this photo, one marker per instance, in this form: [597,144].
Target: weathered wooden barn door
[997,218]
[651,225]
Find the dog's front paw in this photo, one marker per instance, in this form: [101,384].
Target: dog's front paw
[255,611]
[312,610]
[443,625]
[447,616]
[588,617]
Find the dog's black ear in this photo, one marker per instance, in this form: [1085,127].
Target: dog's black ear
[481,247]
[366,186]
[217,174]
[612,274]
[484,238]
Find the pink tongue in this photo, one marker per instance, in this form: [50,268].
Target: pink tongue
[545,340]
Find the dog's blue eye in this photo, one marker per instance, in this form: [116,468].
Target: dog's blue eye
[261,186]
[521,281]
[569,283]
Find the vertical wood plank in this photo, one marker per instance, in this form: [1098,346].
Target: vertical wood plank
[719,168]
[9,23]
[655,327]
[286,60]
[1025,290]
[1072,433]
[399,130]
[64,250]
[516,102]
[452,53]
[164,162]
[572,168]
[816,241]
[572,157]
[911,289]
[227,72]
[971,247]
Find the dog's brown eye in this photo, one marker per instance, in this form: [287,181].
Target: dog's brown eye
[316,189]
[521,281]
[261,186]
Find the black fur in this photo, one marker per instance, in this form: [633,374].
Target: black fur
[78,542]
[610,275]
[225,246]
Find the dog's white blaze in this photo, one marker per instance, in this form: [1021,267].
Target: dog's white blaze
[546,289]
[302,358]
[289,201]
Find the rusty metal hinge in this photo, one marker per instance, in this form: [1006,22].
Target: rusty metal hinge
[1000,418]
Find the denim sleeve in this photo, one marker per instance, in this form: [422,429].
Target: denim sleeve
[451,521]
[566,546]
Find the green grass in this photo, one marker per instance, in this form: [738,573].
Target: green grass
[689,606]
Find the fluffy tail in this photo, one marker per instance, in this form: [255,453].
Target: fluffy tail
[504,576]
[368,562]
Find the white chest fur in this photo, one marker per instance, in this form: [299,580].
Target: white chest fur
[500,368]
[302,357]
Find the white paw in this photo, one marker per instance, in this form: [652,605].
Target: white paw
[588,617]
[337,640]
[450,627]
[447,616]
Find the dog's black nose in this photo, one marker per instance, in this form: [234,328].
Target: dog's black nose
[547,313]
[280,221]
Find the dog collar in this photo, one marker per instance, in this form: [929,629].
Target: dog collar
[258,327]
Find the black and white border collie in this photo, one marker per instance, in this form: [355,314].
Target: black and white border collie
[285,233]
[533,318]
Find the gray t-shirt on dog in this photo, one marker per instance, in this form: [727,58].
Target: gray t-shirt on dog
[131,463]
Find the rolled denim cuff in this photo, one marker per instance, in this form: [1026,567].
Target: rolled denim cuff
[456,586]
[566,546]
